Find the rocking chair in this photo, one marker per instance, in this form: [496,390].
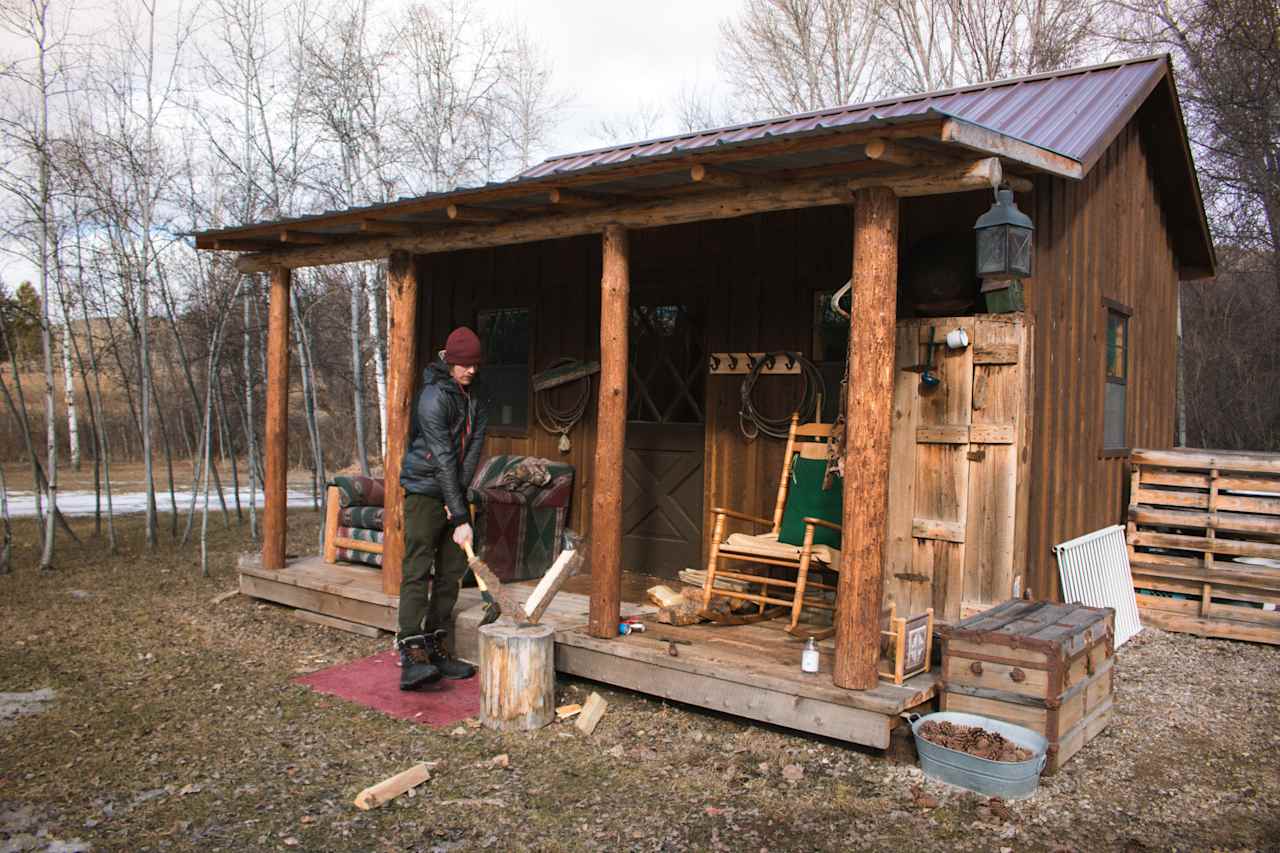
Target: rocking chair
[764,554]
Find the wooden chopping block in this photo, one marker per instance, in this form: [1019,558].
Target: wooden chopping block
[517,676]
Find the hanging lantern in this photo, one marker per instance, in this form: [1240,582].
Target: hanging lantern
[1004,240]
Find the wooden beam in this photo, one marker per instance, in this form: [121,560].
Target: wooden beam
[640,213]
[577,198]
[868,415]
[235,245]
[467,213]
[388,226]
[891,152]
[984,174]
[402,370]
[711,176]
[303,238]
[611,424]
[585,180]
[987,141]
[275,495]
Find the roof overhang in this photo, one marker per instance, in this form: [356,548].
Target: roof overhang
[921,156]
[917,145]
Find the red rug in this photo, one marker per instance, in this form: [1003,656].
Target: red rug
[375,683]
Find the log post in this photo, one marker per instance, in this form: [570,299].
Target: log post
[868,418]
[611,428]
[275,493]
[402,370]
[517,676]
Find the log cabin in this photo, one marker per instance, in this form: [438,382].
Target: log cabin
[658,259]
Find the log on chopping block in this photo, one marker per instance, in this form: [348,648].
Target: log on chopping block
[511,609]
[565,567]
[517,676]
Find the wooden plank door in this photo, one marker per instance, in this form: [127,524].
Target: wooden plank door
[666,436]
[955,502]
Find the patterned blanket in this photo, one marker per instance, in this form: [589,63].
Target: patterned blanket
[360,491]
[523,508]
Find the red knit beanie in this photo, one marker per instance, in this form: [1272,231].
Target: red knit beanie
[463,348]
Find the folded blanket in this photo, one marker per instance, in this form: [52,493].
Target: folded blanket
[360,491]
[369,517]
[362,534]
[346,555]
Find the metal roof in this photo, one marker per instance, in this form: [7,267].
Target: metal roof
[1066,112]
[1057,123]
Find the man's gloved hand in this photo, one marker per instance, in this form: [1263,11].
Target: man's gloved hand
[462,535]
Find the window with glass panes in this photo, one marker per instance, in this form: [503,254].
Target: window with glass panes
[1114,436]
[505,334]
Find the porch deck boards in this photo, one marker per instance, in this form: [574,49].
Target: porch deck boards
[751,671]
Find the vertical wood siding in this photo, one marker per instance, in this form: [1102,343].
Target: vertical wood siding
[1101,238]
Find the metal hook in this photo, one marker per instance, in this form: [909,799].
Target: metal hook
[791,360]
[751,362]
[768,362]
[733,361]
[715,363]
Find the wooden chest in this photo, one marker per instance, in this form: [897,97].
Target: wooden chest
[1045,666]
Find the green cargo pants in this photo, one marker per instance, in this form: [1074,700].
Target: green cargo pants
[427,597]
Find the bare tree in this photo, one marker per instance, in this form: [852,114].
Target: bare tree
[789,56]
[33,22]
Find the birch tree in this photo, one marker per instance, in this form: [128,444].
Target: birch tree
[35,23]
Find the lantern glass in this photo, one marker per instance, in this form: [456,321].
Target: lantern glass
[1004,236]
[991,252]
[1019,251]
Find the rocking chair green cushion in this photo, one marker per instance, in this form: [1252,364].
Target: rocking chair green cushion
[807,499]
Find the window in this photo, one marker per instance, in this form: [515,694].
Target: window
[1114,435]
[830,348]
[505,333]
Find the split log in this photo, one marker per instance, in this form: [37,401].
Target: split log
[565,567]
[592,711]
[517,676]
[388,789]
[664,596]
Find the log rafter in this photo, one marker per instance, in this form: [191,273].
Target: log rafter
[644,213]
[929,129]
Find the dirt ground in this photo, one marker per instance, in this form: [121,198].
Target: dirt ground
[173,725]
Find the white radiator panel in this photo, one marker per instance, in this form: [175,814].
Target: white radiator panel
[1094,569]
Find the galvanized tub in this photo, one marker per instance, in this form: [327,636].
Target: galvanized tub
[1012,780]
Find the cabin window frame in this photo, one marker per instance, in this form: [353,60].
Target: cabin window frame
[496,428]
[1110,379]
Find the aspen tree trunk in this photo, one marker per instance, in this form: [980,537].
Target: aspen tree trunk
[248,418]
[104,452]
[51,457]
[215,352]
[228,447]
[6,544]
[69,396]
[309,398]
[357,379]
[376,338]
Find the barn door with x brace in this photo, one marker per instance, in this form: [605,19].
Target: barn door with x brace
[662,476]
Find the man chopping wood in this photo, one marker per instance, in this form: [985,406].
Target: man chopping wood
[446,436]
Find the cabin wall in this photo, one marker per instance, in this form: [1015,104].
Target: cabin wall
[1101,238]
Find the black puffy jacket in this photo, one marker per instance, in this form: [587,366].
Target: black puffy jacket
[445,439]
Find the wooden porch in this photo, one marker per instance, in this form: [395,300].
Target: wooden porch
[749,671]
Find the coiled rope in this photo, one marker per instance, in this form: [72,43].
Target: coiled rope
[753,423]
[560,421]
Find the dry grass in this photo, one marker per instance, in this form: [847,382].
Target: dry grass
[176,726]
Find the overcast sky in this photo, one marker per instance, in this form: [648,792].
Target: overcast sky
[611,57]
[614,55]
